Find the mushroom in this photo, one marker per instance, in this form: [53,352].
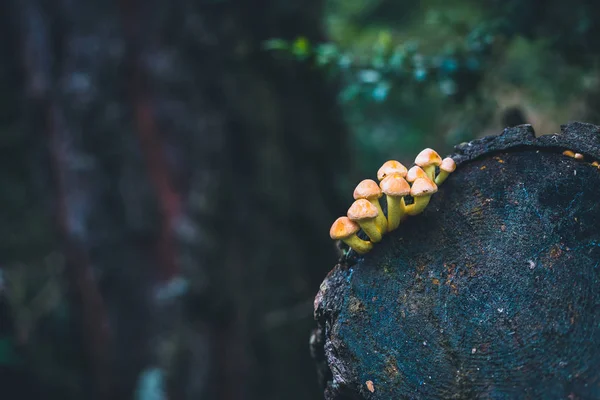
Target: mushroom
[368,189]
[596,164]
[391,167]
[421,190]
[428,159]
[414,173]
[364,213]
[395,188]
[446,168]
[570,153]
[345,230]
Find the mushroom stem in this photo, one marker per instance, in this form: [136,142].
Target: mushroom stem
[371,229]
[447,166]
[421,191]
[364,213]
[418,206]
[396,209]
[380,220]
[441,177]
[358,245]
[430,171]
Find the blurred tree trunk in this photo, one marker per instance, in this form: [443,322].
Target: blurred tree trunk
[190,178]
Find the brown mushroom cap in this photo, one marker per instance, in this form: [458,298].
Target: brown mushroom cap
[362,209]
[391,167]
[414,173]
[428,157]
[395,185]
[342,228]
[423,187]
[367,189]
[448,165]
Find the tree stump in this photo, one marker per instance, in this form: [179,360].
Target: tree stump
[492,292]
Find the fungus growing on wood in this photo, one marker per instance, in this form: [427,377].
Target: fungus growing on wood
[414,173]
[446,168]
[421,190]
[345,230]
[428,159]
[364,213]
[570,153]
[391,167]
[395,188]
[369,189]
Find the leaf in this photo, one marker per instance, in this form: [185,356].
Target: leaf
[301,47]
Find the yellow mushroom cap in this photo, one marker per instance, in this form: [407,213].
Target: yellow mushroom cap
[362,209]
[367,189]
[423,187]
[428,157]
[342,228]
[448,165]
[395,185]
[391,167]
[414,173]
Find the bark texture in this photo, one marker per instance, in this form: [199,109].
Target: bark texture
[490,293]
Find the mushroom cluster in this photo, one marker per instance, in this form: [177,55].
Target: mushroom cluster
[396,182]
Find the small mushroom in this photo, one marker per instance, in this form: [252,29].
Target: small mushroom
[414,173]
[596,164]
[363,212]
[391,167]
[569,153]
[446,168]
[421,190]
[345,230]
[578,156]
[369,189]
[428,159]
[395,188]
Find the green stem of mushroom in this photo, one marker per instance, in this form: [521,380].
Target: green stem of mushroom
[358,245]
[396,210]
[371,230]
[430,171]
[441,177]
[380,220]
[419,205]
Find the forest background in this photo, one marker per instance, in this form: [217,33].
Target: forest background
[170,169]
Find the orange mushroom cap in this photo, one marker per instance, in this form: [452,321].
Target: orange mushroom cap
[362,209]
[414,173]
[448,165]
[391,167]
[395,185]
[367,189]
[428,157]
[423,187]
[342,228]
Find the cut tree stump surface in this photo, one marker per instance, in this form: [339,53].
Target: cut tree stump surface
[492,292]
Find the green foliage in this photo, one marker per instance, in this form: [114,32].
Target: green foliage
[418,73]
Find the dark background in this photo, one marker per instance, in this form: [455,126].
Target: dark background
[169,170]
